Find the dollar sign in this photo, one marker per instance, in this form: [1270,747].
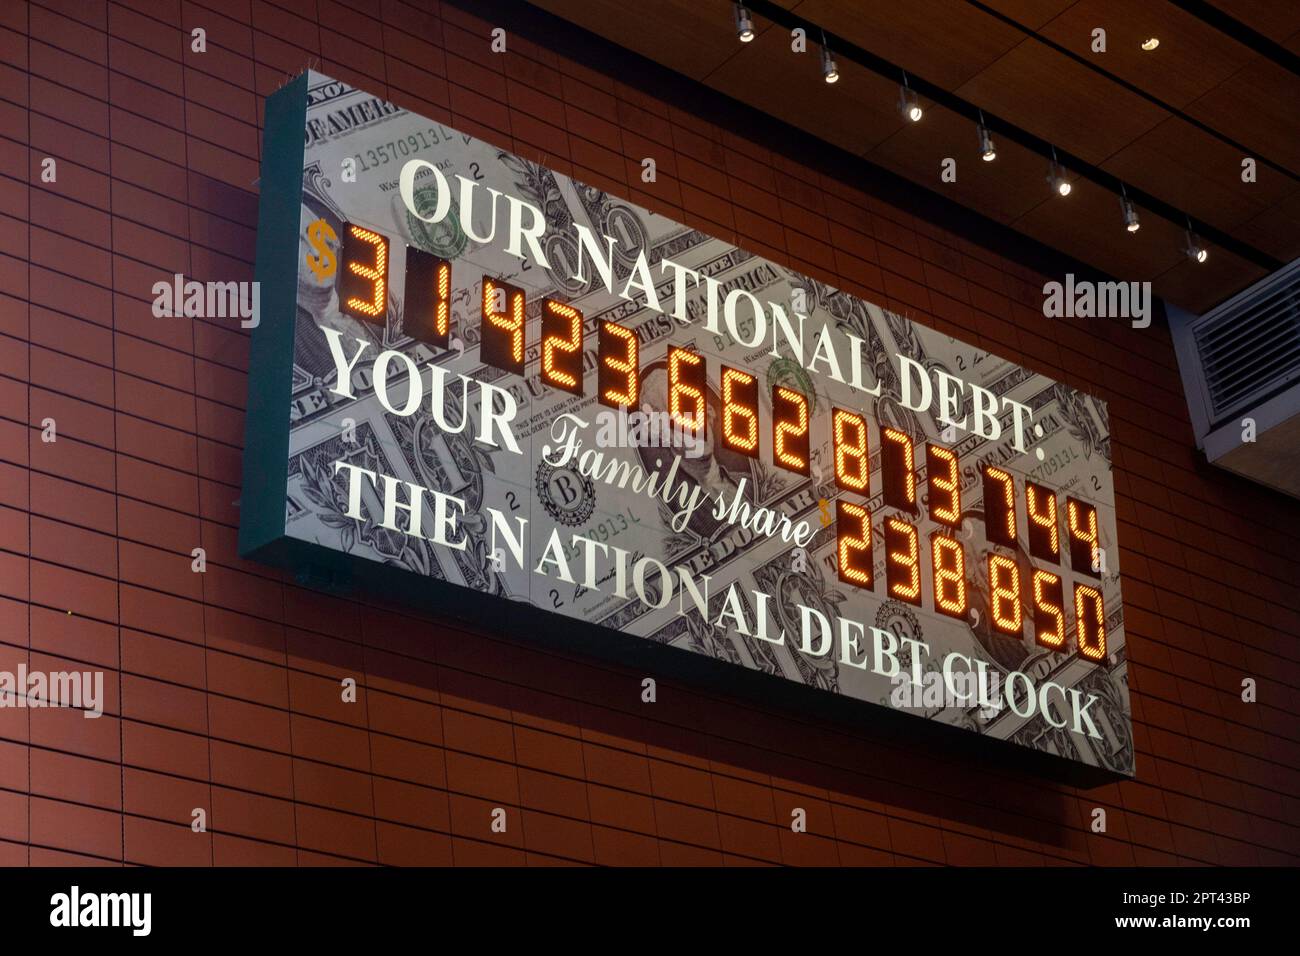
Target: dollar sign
[323,264]
[824,505]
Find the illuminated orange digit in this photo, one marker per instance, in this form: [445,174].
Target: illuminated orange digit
[1090,622]
[902,556]
[852,462]
[562,346]
[790,429]
[740,411]
[853,541]
[442,311]
[618,377]
[999,506]
[898,469]
[949,559]
[1044,536]
[502,343]
[426,314]
[1004,595]
[686,389]
[944,485]
[1085,546]
[363,286]
[1049,617]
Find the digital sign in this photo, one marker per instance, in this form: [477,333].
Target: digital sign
[519,388]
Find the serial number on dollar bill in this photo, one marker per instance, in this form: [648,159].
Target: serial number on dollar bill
[385,153]
[604,530]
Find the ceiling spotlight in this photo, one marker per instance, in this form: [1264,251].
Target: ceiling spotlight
[909,104]
[987,152]
[1150,43]
[1195,249]
[830,73]
[1056,176]
[1130,214]
[744,24]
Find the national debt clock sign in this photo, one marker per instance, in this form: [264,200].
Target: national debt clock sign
[488,388]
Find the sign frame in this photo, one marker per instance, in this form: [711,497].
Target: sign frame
[263,536]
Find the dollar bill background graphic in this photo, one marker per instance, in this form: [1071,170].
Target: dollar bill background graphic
[325,428]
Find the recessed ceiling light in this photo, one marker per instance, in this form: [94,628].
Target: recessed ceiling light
[1150,43]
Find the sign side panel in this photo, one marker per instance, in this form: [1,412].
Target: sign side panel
[266,432]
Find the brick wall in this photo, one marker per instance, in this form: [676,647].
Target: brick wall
[223,688]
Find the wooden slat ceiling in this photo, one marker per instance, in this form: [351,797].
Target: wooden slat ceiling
[1279,20]
[1176,122]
